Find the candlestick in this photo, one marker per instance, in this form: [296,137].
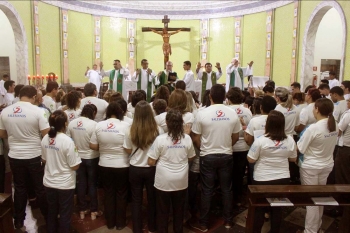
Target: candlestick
[29,79]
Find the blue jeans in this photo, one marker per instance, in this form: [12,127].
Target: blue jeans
[60,201]
[210,165]
[87,178]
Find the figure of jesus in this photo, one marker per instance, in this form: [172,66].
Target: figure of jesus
[166,37]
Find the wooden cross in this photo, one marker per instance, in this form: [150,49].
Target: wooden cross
[164,32]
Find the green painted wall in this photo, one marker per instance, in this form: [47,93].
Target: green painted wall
[113,41]
[185,45]
[283,42]
[80,45]
[50,53]
[221,43]
[254,42]
[24,10]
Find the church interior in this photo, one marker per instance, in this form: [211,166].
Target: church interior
[300,41]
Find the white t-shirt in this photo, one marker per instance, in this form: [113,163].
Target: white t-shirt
[81,130]
[49,103]
[72,114]
[172,165]
[127,119]
[188,118]
[272,158]
[344,126]
[246,114]
[100,104]
[291,118]
[347,96]
[58,105]
[189,80]
[256,126]
[333,83]
[339,108]
[216,124]
[109,134]
[307,116]
[8,98]
[23,122]
[140,158]
[60,155]
[317,144]
[2,88]
[131,111]
[15,100]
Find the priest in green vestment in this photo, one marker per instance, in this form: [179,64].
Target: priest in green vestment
[145,79]
[117,77]
[236,74]
[208,76]
[163,75]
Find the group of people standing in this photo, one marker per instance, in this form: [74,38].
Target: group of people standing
[170,146]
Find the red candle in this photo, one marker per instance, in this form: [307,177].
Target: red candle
[56,77]
[37,76]
[33,78]
[42,77]
[50,77]
[29,77]
[47,78]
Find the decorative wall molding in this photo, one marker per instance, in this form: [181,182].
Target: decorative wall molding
[307,59]
[295,41]
[238,37]
[204,41]
[36,34]
[145,10]
[64,36]
[269,42]
[20,41]
[97,40]
[131,34]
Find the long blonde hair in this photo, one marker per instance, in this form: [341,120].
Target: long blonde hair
[284,96]
[144,129]
[189,105]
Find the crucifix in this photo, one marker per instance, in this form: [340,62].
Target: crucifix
[164,32]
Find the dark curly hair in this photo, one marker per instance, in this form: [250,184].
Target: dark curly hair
[175,123]
[89,111]
[57,121]
[73,98]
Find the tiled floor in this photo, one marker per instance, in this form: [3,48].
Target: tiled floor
[293,220]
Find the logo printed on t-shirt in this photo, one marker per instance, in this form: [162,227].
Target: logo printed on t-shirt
[110,125]
[71,116]
[239,111]
[79,124]
[176,144]
[220,116]
[17,110]
[89,102]
[278,145]
[52,142]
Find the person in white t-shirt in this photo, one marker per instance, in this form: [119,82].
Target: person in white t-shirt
[240,149]
[215,130]
[333,82]
[136,97]
[108,139]
[94,76]
[317,145]
[143,132]
[324,90]
[178,101]
[342,164]
[271,154]
[49,98]
[73,104]
[124,107]
[288,109]
[62,160]
[299,101]
[90,92]
[24,124]
[345,85]
[81,130]
[171,153]
[10,92]
[159,106]
[306,116]
[340,104]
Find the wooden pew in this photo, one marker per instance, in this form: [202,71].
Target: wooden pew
[6,213]
[299,195]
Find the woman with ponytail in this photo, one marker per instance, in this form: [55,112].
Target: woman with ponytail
[73,105]
[108,139]
[317,144]
[62,160]
[287,108]
[171,153]
[81,130]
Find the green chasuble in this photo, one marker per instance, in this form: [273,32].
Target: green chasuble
[149,87]
[205,79]
[163,78]
[119,81]
[232,78]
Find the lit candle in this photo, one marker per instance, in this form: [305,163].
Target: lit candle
[47,78]
[42,79]
[29,79]
[50,77]
[37,76]
[56,77]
